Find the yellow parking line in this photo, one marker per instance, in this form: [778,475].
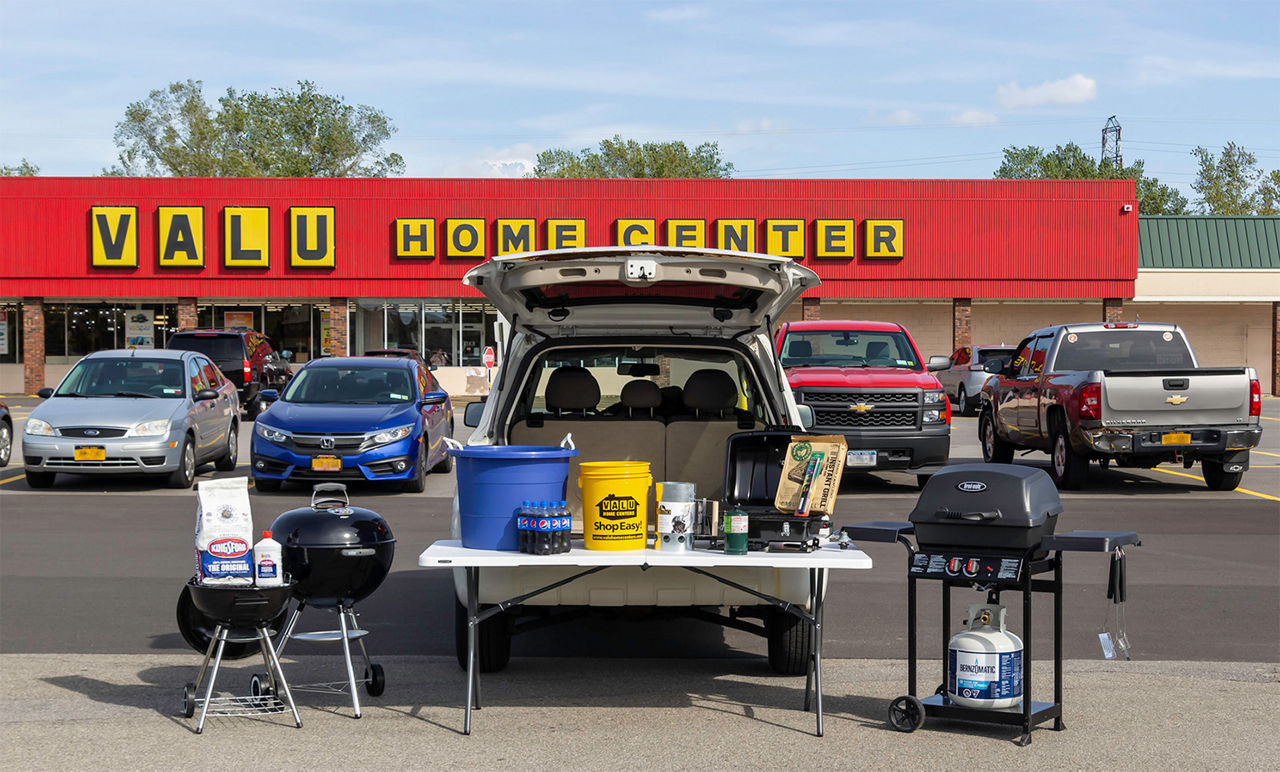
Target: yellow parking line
[11,479]
[1201,479]
[1265,453]
[1269,418]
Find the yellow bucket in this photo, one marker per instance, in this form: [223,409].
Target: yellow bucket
[615,504]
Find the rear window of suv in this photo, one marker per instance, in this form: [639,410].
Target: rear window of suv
[216,347]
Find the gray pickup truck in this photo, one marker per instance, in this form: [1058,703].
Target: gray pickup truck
[1125,391]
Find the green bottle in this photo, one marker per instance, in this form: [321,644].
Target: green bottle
[735,532]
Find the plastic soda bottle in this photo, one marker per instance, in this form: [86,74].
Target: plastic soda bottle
[522,525]
[543,534]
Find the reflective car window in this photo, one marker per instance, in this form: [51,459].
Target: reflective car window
[123,377]
[350,385]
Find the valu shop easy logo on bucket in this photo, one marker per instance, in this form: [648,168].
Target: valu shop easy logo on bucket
[618,507]
[228,548]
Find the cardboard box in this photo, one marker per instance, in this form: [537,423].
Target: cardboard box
[826,484]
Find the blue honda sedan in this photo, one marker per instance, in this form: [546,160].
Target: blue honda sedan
[354,418]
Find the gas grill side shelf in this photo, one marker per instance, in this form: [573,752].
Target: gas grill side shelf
[1090,541]
[879,530]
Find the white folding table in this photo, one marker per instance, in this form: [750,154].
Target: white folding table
[451,554]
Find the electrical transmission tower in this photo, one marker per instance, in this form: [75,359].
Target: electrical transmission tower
[1111,143]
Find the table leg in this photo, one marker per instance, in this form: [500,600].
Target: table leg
[808,671]
[473,582]
[817,645]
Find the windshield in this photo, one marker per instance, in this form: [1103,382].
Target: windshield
[1123,350]
[848,348]
[219,348]
[350,386]
[124,377]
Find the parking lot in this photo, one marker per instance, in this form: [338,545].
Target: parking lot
[90,570]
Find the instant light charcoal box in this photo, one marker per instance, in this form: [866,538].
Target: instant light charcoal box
[826,484]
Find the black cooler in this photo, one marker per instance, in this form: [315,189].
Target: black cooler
[753,469]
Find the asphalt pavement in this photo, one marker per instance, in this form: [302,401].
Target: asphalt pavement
[93,663]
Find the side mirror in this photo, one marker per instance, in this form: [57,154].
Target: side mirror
[434,398]
[471,416]
[204,395]
[806,415]
[269,395]
[45,393]
[938,362]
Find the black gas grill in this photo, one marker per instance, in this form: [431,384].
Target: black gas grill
[989,527]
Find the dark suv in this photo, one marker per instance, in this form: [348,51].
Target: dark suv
[245,357]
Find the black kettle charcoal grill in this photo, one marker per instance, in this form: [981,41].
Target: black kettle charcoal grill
[988,527]
[337,555]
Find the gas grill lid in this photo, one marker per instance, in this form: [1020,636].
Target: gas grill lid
[988,496]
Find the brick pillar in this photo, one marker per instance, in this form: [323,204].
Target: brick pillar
[187,319]
[32,345]
[338,327]
[1113,309]
[1275,348]
[811,309]
[961,315]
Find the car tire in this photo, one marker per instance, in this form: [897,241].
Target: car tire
[790,638]
[1217,478]
[267,484]
[185,474]
[228,460]
[1067,467]
[493,639]
[40,479]
[6,443]
[994,449]
[964,405]
[418,483]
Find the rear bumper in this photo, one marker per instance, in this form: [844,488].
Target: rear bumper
[922,451]
[1210,441]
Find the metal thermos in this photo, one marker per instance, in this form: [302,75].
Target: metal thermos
[676,517]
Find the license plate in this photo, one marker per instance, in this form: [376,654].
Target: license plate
[91,453]
[326,464]
[860,458]
[1176,438]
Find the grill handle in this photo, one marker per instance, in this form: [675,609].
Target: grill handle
[949,514]
[329,494]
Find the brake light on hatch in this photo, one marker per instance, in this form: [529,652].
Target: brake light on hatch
[246,372]
[1091,401]
[1120,325]
[1255,398]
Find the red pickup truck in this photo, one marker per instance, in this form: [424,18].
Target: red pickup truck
[867,381]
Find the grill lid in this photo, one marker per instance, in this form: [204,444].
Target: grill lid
[331,521]
[988,495]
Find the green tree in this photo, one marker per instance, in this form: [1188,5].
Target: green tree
[24,169]
[1231,183]
[1070,162]
[285,133]
[628,158]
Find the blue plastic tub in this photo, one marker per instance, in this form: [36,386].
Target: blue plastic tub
[493,482]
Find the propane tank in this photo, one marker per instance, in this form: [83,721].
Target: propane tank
[984,662]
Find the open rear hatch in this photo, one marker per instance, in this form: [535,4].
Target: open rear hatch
[605,290]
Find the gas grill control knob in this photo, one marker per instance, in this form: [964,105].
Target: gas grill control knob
[971,567]
[953,566]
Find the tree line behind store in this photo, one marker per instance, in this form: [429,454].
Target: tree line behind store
[307,133]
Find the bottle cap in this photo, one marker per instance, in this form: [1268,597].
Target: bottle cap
[266,534]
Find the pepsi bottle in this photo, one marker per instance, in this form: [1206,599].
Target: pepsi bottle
[522,525]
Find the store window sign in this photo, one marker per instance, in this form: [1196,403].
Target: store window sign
[114,236]
[686,233]
[464,237]
[884,238]
[635,233]
[415,237]
[516,236]
[139,328]
[4,332]
[246,237]
[180,236]
[311,236]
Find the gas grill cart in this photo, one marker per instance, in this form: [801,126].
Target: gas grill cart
[989,527]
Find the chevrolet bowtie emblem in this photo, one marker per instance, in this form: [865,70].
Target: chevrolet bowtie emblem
[1176,399]
[861,407]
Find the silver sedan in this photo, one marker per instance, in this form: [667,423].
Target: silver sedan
[134,411]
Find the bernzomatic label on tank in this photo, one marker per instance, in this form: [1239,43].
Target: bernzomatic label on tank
[619,518]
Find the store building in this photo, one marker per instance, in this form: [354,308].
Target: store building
[336,266]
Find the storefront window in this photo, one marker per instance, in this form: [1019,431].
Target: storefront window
[10,333]
[438,335]
[290,329]
[367,325]
[72,330]
[404,326]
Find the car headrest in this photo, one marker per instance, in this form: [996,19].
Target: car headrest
[572,388]
[641,395]
[800,348]
[710,390]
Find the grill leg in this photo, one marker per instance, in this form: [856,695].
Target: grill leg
[277,675]
[288,629]
[1025,740]
[221,634]
[368,663]
[208,655]
[351,673]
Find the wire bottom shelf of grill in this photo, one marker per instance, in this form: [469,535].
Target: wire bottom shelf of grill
[327,687]
[264,705]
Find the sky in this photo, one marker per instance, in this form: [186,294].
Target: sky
[788,89]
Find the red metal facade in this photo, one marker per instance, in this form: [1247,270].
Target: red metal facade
[962,238]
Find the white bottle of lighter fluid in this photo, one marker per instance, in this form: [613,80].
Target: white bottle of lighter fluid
[268,555]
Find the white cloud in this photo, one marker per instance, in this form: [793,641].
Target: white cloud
[678,14]
[901,117]
[1074,90]
[1165,69]
[513,161]
[973,118]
